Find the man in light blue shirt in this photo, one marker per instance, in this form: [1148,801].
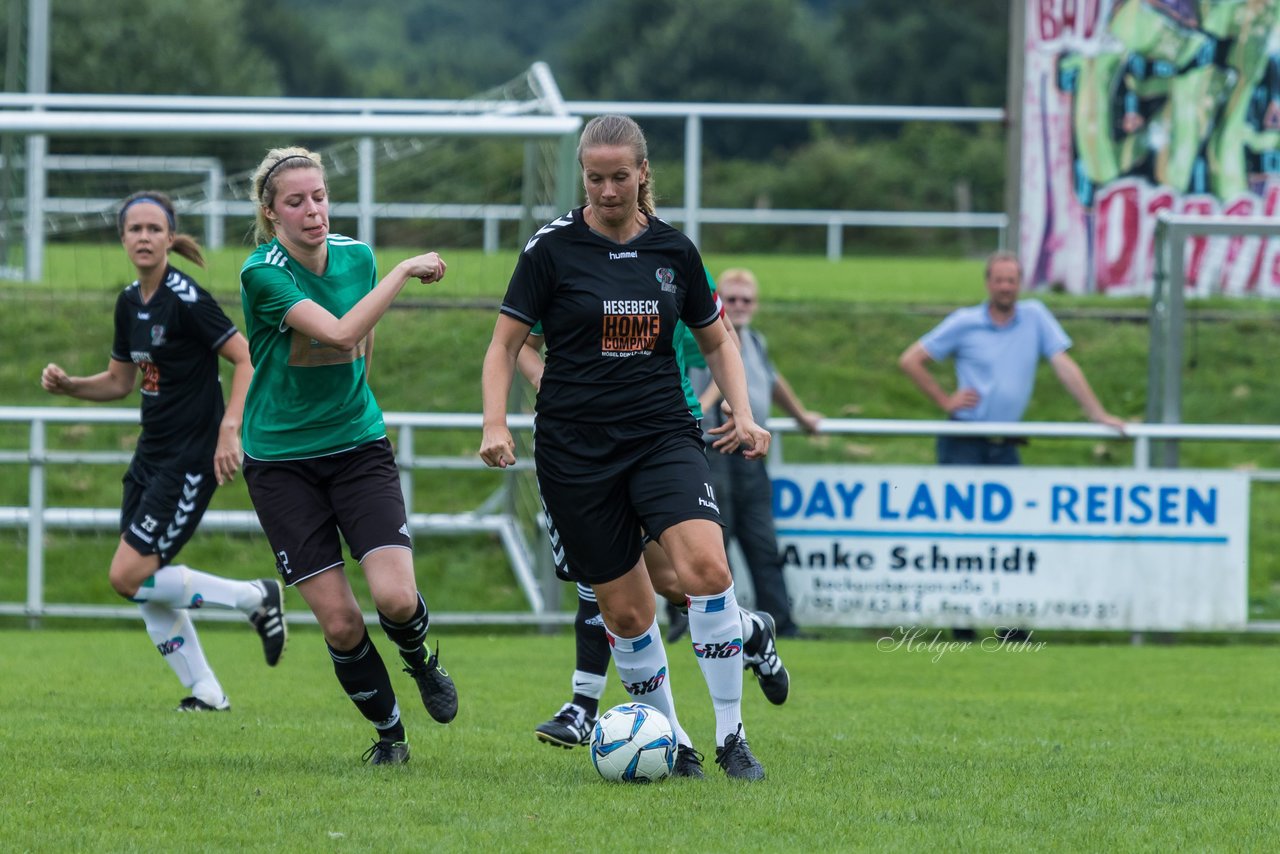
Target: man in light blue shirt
[996,347]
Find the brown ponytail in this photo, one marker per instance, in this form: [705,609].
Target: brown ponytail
[186,246]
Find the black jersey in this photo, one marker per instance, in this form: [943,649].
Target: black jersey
[174,339]
[608,312]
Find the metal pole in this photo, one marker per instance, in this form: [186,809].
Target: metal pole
[1171,405]
[693,177]
[568,178]
[491,235]
[835,235]
[365,230]
[528,190]
[1159,318]
[1013,120]
[215,227]
[404,460]
[35,521]
[37,144]
[9,144]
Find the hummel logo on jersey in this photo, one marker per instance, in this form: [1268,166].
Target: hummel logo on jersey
[186,506]
[648,686]
[618,256]
[710,500]
[180,519]
[141,534]
[567,219]
[182,287]
[718,650]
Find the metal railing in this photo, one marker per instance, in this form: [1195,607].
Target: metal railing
[37,517]
[148,115]
[528,566]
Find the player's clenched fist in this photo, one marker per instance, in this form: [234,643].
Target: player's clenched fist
[54,379]
[497,448]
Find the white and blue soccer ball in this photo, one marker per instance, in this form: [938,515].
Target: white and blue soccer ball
[633,743]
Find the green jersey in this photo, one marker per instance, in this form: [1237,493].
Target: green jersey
[689,356]
[307,399]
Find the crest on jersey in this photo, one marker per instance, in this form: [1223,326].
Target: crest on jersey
[157,335]
[666,278]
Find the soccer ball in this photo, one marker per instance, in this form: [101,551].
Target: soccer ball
[633,743]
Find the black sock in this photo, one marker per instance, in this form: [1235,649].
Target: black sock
[755,638]
[409,636]
[592,648]
[364,677]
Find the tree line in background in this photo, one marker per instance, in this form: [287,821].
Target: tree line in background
[760,51]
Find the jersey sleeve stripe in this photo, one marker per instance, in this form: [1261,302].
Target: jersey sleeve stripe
[223,339]
[710,319]
[283,322]
[517,315]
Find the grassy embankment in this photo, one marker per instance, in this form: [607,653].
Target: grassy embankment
[835,330]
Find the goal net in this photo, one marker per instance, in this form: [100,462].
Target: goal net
[475,173]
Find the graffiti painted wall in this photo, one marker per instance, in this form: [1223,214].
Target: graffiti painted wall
[1132,107]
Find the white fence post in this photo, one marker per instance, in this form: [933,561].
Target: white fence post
[35,520]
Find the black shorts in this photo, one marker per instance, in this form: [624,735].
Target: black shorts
[303,505]
[162,506]
[605,488]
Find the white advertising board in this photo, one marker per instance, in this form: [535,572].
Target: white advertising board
[1024,547]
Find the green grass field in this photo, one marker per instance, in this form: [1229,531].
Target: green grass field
[1088,743]
[1062,748]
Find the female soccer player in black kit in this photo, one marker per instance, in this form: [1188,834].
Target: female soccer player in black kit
[617,450]
[571,726]
[171,331]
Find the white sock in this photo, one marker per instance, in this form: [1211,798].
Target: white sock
[175,637]
[642,666]
[588,684]
[180,586]
[716,631]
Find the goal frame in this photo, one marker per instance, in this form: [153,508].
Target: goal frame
[542,116]
[1168,311]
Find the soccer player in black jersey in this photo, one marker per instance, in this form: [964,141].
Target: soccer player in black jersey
[571,726]
[171,331]
[617,450]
